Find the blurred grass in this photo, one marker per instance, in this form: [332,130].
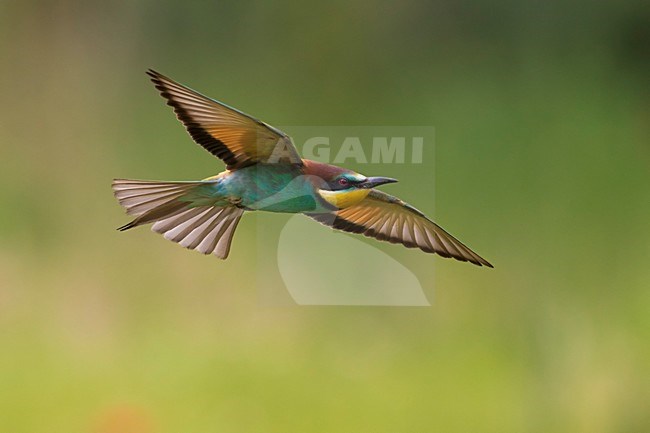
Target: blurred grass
[542,164]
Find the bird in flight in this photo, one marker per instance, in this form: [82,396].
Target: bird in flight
[265,172]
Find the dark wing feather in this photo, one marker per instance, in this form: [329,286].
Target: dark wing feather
[388,218]
[235,137]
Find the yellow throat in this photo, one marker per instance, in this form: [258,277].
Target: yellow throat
[343,199]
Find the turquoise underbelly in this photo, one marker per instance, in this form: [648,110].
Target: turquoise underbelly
[272,188]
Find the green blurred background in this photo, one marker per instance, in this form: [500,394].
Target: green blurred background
[542,165]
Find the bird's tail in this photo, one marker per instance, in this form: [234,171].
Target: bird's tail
[182,212]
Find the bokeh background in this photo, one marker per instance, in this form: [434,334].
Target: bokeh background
[542,164]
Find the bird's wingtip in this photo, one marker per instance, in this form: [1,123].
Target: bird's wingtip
[126,226]
[152,73]
[482,262]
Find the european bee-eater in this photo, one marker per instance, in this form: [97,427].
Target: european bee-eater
[265,172]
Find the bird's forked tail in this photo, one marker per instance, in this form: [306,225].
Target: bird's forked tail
[183,212]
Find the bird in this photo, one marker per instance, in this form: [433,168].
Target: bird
[264,172]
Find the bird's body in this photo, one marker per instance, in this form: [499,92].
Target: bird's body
[269,187]
[279,188]
[265,173]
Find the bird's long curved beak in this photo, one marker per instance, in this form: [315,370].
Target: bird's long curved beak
[372,182]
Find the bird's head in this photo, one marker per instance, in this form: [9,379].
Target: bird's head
[352,181]
[342,187]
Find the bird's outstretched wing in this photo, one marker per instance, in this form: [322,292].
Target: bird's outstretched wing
[388,218]
[235,137]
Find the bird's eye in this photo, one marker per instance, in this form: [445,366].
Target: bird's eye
[343,181]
